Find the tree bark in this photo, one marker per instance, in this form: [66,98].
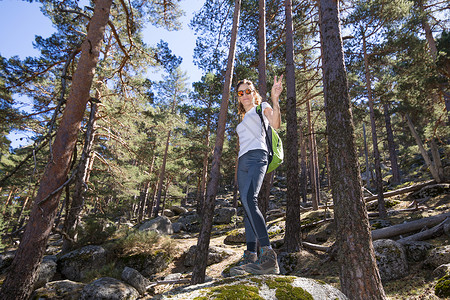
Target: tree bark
[430,165]
[359,274]
[162,173]
[23,270]
[312,160]
[376,152]
[391,145]
[292,237]
[262,78]
[198,274]
[436,158]
[264,194]
[303,167]
[77,203]
[366,156]
[201,194]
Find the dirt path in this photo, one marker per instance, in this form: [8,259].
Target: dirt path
[215,270]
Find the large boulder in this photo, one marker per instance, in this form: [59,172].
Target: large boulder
[107,288]
[147,264]
[438,256]
[46,271]
[191,222]
[177,227]
[258,287]
[76,264]
[224,215]
[59,290]
[441,271]
[391,259]
[161,225]
[235,237]
[135,279]
[215,255]
[416,251]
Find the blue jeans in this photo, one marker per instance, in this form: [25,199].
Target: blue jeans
[252,167]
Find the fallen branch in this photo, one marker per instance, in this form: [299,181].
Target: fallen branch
[176,281]
[316,223]
[408,227]
[426,234]
[404,190]
[392,211]
[315,247]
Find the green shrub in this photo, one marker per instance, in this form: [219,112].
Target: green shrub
[95,231]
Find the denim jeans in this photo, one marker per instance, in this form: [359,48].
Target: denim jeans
[252,167]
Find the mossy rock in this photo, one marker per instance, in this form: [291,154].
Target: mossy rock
[258,287]
[442,288]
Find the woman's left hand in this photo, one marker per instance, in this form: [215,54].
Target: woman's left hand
[277,88]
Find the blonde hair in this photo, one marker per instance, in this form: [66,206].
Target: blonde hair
[256,95]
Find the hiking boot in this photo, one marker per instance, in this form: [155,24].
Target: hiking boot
[267,263]
[248,258]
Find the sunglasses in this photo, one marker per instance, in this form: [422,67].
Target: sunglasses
[241,93]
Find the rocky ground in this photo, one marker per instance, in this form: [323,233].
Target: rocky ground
[417,281]
[418,284]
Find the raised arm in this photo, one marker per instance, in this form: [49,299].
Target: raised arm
[273,114]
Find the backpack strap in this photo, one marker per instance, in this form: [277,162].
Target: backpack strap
[268,141]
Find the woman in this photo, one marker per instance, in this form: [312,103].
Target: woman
[252,166]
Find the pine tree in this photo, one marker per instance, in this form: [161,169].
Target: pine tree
[359,274]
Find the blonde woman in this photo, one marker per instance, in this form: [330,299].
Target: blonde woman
[252,166]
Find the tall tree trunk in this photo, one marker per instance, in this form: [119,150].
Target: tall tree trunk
[151,203]
[198,274]
[434,172]
[434,53]
[264,194]
[292,237]
[77,203]
[366,156]
[143,198]
[23,270]
[162,173]
[436,158]
[391,145]
[376,153]
[235,182]
[201,194]
[262,77]
[312,160]
[303,165]
[359,274]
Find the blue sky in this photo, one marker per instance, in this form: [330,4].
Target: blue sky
[21,21]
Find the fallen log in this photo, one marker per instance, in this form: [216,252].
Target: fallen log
[408,189]
[176,281]
[316,223]
[396,211]
[426,234]
[408,227]
[315,247]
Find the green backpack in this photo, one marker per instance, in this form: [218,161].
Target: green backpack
[274,144]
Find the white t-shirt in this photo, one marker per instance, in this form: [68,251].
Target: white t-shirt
[250,131]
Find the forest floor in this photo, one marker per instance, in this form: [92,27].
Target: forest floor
[418,284]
